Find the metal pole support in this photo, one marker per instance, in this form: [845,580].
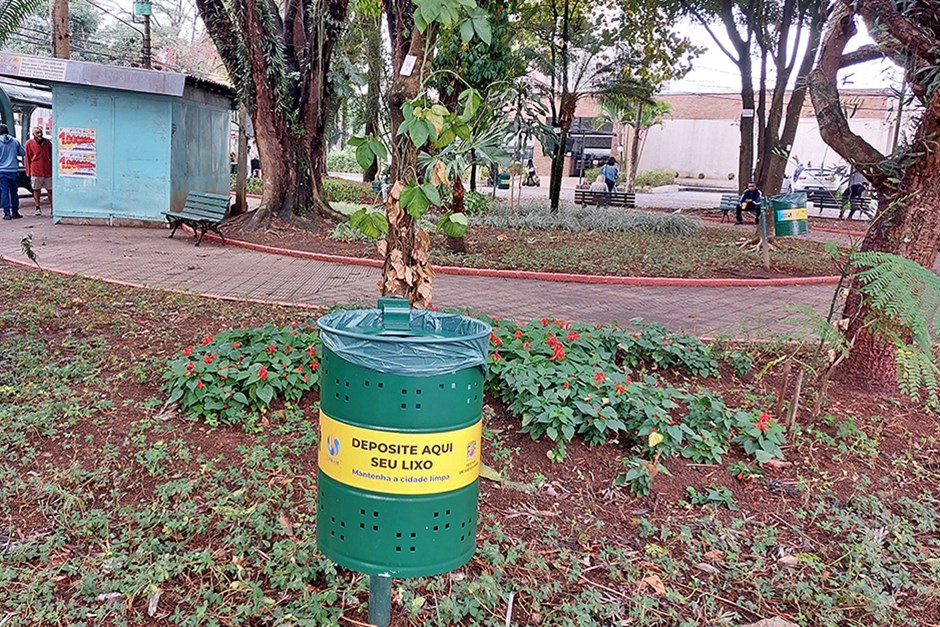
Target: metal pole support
[380,600]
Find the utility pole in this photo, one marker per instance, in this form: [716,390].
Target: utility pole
[144,9]
[60,29]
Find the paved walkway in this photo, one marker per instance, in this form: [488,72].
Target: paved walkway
[145,256]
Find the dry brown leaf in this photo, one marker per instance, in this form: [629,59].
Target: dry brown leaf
[286,527]
[381,246]
[714,555]
[788,560]
[395,192]
[707,568]
[653,582]
[778,464]
[439,174]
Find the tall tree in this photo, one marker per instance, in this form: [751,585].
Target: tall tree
[60,29]
[907,182]
[783,37]
[414,28]
[278,56]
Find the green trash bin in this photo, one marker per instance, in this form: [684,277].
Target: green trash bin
[504,180]
[401,399]
[790,214]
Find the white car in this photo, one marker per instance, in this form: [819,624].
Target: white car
[817,179]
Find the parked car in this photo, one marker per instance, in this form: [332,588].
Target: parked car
[818,179]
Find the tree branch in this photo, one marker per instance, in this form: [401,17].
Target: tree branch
[871,52]
[833,125]
[917,42]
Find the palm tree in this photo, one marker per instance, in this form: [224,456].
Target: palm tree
[12,14]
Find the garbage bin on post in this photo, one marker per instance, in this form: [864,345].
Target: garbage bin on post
[790,214]
[401,403]
[504,179]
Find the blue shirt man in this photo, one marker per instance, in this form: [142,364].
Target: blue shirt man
[10,149]
[750,201]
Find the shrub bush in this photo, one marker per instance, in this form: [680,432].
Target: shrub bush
[591,175]
[599,382]
[655,178]
[347,191]
[252,186]
[537,214]
[233,377]
[475,203]
[342,160]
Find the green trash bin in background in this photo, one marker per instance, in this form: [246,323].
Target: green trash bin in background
[790,214]
[401,404]
[503,180]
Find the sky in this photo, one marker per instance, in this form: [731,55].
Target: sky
[713,71]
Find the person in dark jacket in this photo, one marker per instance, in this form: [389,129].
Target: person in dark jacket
[10,149]
[750,201]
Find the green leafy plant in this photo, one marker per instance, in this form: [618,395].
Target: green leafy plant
[343,160]
[760,437]
[346,191]
[475,203]
[639,475]
[719,497]
[537,214]
[233,377]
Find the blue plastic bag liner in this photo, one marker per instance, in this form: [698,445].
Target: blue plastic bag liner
[411,342]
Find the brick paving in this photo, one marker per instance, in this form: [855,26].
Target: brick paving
[147,257]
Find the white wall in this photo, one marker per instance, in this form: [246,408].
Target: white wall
[711,147]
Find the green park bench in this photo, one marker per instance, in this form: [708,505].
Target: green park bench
[586,197]
[729,202]
[202,212]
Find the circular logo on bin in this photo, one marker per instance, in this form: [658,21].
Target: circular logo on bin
[332,445]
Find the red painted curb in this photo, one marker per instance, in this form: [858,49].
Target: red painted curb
[233,299]
[557,277]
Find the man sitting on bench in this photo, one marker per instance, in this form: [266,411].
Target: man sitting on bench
[750,201]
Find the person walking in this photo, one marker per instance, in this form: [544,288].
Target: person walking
[39,167]
[610,173]
[10,149]
[750,201]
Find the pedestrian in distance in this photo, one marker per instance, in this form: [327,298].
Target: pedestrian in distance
[599,184]
[750,201]
[610,173]
[10,149]
[39,167]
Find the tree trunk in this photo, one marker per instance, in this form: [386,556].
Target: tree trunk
[635,149]
[60,29]
[908,223]
[473,170]
[241,164]
[374,85]
[569,103]
[457,244]
[407,270]
[746,157]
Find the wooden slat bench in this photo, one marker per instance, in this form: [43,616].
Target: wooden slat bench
[729,202]
[586,197]
[862,206]
[202,212]
[826,200]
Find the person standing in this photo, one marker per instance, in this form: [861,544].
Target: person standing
[10,149]
[39,167]
[610,173]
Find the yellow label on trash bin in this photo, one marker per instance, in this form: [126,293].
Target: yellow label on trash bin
[399,463]
[791,214]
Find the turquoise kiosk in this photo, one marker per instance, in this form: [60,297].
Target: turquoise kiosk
[129,144]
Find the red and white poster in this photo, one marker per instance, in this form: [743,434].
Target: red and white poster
[78,152]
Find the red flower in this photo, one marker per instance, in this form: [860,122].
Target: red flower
[272,348]
[599,377]
[495,356]
[188,351]
[313,365]
[620,389]
[559,352]
[629,380]
[544,322]
[311,351]
[305,377]
[200,384]
[262,373]
[573,335]
[525,345]
[236,344]
[565,385]
[495,340]
[190,366]
[207,339]
[635,335]
[300,368]
[209,358]
[518,335]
